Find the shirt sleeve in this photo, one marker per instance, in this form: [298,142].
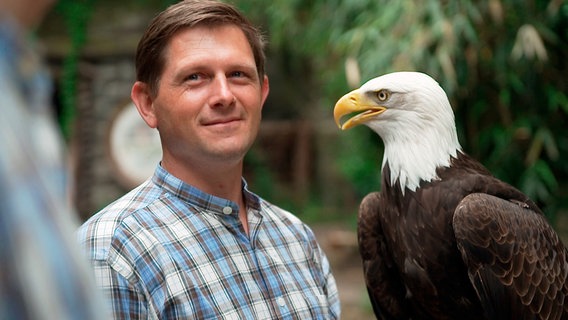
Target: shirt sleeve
[332,294]
[126,299]
[330,286]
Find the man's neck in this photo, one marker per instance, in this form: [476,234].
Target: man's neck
[221,181]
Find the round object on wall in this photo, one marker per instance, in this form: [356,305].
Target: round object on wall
[133,147]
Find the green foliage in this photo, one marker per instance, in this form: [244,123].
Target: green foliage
[76,16]
[502,63]
[361,161]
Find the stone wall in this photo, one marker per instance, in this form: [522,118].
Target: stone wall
[104,88]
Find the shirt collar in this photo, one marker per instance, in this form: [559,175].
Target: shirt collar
[186,192]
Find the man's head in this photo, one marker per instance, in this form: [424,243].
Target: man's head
[150,55]
[201,84]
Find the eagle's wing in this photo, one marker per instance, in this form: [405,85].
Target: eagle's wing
[516,262]
[385,289]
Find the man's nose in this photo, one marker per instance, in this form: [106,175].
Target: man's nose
[222,93]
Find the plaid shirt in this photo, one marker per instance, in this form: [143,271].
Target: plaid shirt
[166,250]
[42,272]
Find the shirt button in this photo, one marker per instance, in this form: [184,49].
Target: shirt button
[227,210]
[281,302]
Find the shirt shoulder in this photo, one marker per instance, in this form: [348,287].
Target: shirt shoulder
[95,236]
[287,224]
[281,213]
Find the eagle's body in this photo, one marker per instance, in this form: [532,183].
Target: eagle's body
[444,239]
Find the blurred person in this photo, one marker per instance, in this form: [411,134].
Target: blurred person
[42,274]
[193,242]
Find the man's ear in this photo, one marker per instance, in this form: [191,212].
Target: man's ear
[265,89]
[144,102]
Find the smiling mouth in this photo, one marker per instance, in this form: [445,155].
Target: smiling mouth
[222,122]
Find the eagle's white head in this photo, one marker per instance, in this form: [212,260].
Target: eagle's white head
[412,115]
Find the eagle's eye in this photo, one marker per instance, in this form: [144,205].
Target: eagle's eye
[383,95]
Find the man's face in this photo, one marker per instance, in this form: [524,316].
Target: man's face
[209,101]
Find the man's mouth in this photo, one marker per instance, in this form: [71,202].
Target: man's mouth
[219,122]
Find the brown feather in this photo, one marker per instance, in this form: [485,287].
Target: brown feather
[376,261]
[510,264]
[525,241]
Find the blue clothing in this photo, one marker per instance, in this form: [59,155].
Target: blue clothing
[167,250]
[42,273]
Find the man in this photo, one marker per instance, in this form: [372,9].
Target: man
[42,274]
[193,241]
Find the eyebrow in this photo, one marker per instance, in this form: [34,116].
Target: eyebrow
[182,72]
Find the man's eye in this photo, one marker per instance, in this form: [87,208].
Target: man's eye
[238,74]
[193,77]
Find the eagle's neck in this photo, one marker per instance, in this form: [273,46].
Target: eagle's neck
[415,158]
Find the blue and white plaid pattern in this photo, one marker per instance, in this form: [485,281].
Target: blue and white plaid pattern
[167,250]
[42,273]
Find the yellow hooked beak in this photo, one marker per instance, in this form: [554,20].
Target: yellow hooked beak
[355,102]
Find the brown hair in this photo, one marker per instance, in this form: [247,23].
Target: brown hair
[151,49]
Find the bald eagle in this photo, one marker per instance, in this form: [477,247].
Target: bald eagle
[444,239]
